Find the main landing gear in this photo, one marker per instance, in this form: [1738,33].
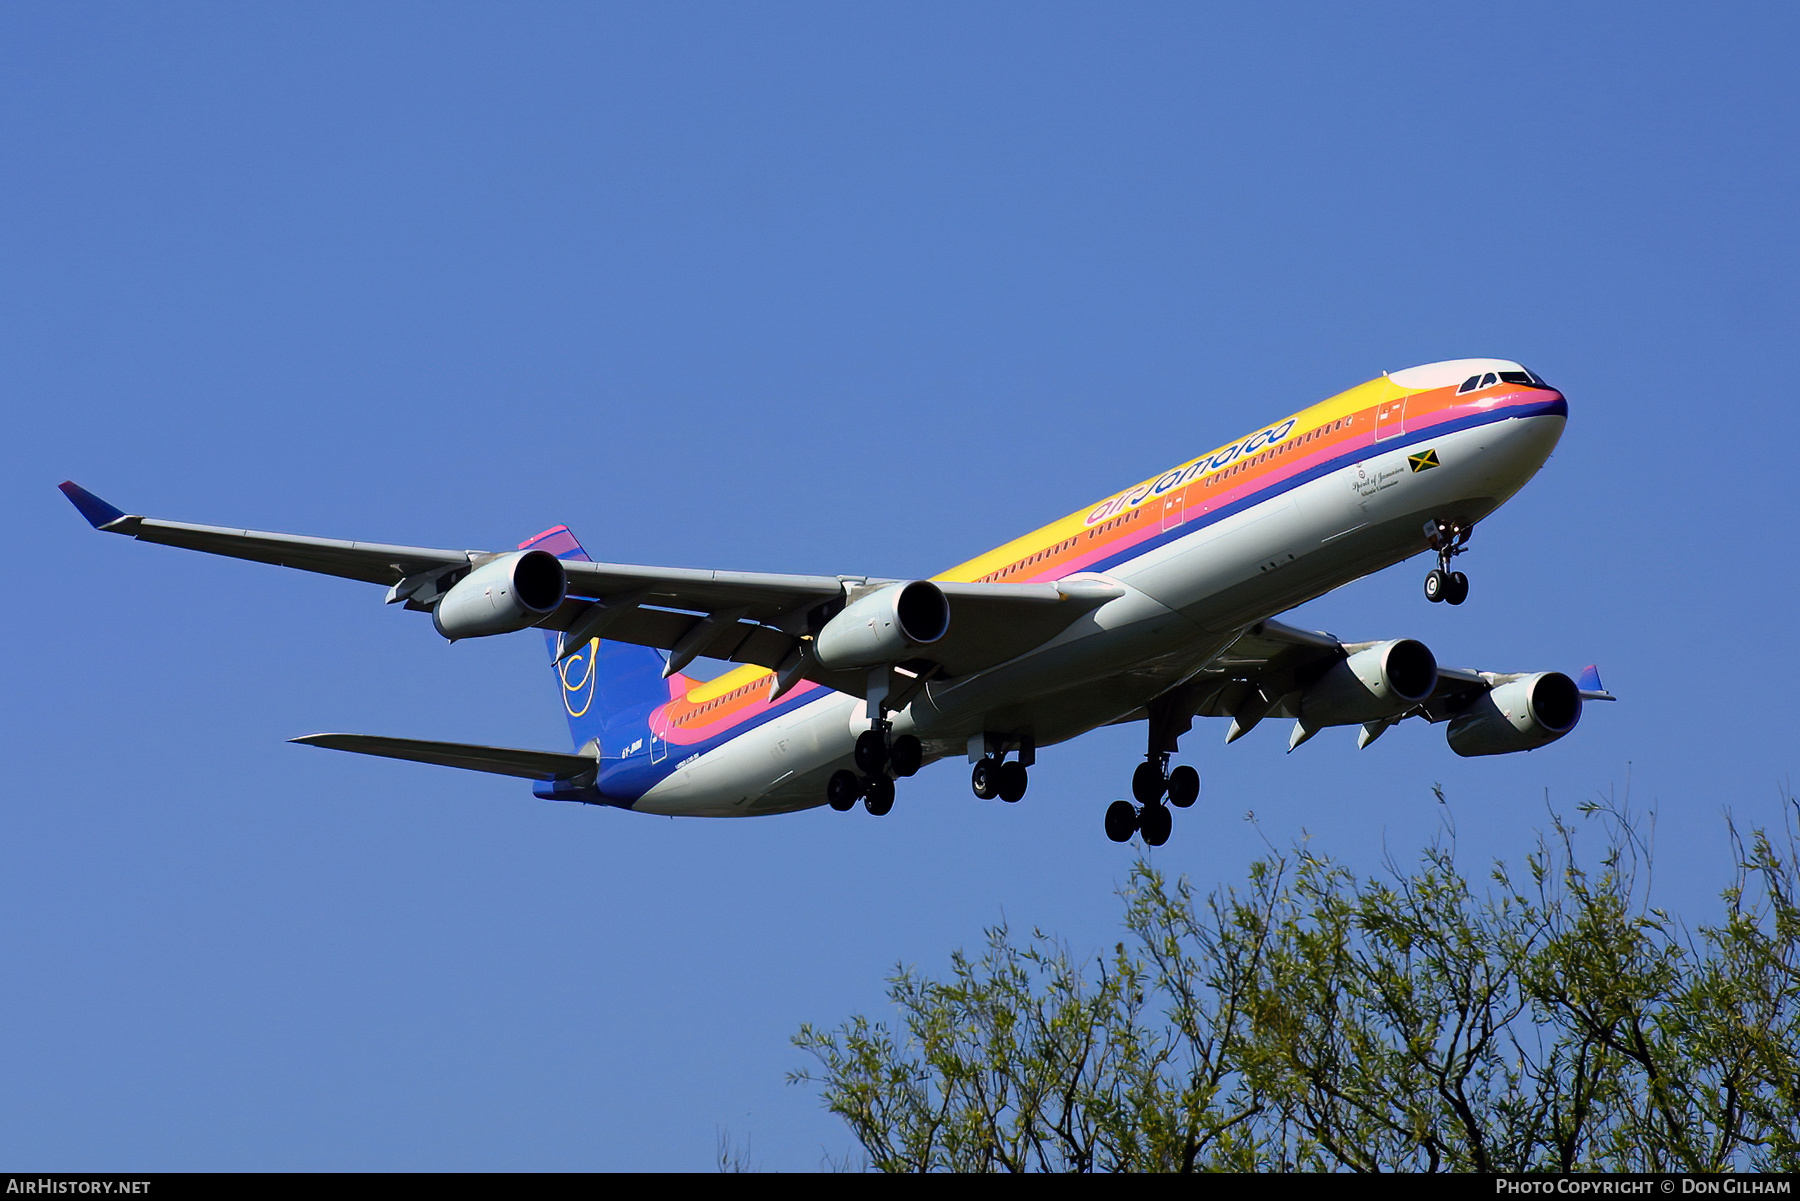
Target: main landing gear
[1448,539]
[878,753]
[993,774]
[1006,779]
[1153,784]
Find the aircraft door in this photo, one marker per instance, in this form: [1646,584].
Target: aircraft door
[1174,512]
[1390,418]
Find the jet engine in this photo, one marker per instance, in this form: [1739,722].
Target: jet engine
[502,595]
[1378,682]
[1521,715]
[888,625]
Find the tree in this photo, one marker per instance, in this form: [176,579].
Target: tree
[1312,1020]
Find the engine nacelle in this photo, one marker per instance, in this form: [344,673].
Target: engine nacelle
[502,595]
[1527,713]
[886,626]
[1377,682]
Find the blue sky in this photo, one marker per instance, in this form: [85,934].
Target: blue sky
[809,288]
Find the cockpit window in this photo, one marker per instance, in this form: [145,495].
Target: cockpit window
[1487,380]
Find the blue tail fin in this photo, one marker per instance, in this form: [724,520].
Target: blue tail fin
[608,688]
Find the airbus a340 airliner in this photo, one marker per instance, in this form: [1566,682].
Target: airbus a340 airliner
[1154,605]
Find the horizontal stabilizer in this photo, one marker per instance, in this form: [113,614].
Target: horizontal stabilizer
[501,760]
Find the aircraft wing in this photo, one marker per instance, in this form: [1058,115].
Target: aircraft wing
[1264,672]
[371,562]
[741,616]
[746,618]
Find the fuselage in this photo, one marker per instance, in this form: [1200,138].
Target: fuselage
[1203,550]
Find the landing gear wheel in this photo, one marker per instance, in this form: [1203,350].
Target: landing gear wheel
[1155,823]
[906,755]
[1147,783]
[842,790]
[984,779]
[880,796]
[1010,781]
[871,752]
[1449,538]
[1184,787]
[1121,821]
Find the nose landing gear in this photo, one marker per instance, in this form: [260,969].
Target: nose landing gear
[1448,539]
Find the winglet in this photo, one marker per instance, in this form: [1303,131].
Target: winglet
[1591,687]
[99,514]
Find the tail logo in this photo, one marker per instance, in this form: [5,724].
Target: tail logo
[582,689]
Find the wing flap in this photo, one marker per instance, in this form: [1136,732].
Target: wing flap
[499,760]
[767,595]
[991,624]
[370,562]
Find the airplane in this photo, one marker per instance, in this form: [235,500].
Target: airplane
[1157,604]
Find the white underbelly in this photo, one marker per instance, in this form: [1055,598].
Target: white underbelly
[732,779]
[1154,630]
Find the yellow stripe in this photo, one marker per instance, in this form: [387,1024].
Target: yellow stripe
[1017,549]
[1354,400]
[737,677]
[1363,396]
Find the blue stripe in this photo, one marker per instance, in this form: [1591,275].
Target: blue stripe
[623,782]
[1558,407]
